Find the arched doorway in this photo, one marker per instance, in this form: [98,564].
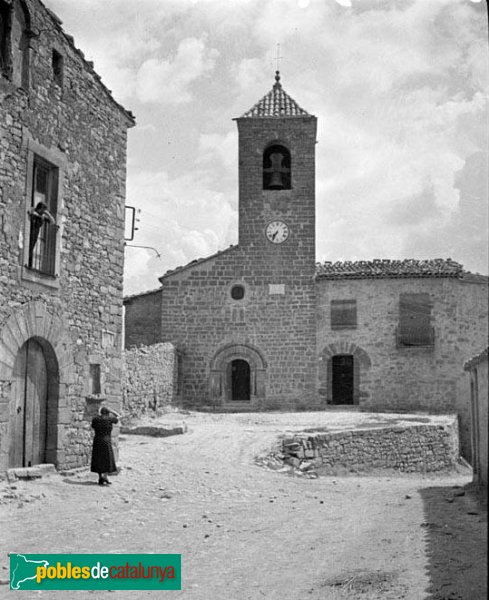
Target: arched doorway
[34,381]
[339,373]
[239,374]
[343,379]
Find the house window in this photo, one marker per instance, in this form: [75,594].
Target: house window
[343,314]
[57,63]
[276,168]
[94,380]
[42,217]
[415,321]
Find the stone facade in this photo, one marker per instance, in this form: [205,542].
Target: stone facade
[477,369]
[149,379]
[63,143]
[407,449]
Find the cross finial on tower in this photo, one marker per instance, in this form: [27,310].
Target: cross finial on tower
[278,58]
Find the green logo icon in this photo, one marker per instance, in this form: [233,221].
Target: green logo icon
[95,571]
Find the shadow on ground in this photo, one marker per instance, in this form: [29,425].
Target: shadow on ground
[455,521]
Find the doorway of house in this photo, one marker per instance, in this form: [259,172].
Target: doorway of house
[240,380]
[342,379]
[28,413]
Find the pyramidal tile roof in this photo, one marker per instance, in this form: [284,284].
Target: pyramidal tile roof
[379,269]
[277,103]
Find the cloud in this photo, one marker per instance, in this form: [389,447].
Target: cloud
[177,218]
[217,147]
[163,80]
[398,86]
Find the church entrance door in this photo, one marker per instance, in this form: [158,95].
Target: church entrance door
[29,407]
[240,380]
[343,379]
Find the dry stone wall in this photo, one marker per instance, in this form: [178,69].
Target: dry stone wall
[407,449]
[149,381]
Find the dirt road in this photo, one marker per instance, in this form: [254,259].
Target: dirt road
[245,532]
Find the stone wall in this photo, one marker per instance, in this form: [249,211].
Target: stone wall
[69,119]
[407,449]
[142,319]
[477,369]
[405,378]
[149,379]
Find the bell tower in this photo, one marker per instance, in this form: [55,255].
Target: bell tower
[277,140]
[276,181]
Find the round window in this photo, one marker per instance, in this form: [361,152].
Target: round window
[237,292]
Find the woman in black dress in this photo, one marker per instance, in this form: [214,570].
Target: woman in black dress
[102,453]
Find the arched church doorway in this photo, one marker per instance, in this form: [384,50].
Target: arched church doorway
[240,380]
[237,374]
[343,379]
[33,384]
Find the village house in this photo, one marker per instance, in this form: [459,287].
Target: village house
[260,325]
[62,202]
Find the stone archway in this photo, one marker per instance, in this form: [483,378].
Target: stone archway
[221,381]
[48,335]
[361,364]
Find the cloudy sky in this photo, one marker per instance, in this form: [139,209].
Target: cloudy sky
[399,88]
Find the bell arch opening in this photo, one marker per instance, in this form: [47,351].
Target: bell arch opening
[276,168]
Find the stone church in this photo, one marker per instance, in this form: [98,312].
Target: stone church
[260,325]
[62,199]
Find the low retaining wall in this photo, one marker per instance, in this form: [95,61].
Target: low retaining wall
[149,378]
[408,449]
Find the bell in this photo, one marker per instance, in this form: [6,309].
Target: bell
[276,181]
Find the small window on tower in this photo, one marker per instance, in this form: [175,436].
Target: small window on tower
[237,292]
[58,68]
[276,168]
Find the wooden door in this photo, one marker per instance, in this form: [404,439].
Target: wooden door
[240,380]
[29,407]
[343,379]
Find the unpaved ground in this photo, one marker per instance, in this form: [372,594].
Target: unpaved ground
[248,533]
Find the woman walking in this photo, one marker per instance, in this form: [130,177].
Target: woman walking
[103,461]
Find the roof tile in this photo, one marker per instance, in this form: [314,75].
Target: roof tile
[377,269]
[277,103]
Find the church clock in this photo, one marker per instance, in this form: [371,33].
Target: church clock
[277,232]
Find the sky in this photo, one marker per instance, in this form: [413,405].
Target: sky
[399,88]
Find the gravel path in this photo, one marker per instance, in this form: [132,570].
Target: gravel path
[245,532]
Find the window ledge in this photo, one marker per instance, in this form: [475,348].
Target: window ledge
[50,281]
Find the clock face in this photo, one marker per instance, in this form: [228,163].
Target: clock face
[277,232]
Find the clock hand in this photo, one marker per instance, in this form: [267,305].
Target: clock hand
[274,235]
